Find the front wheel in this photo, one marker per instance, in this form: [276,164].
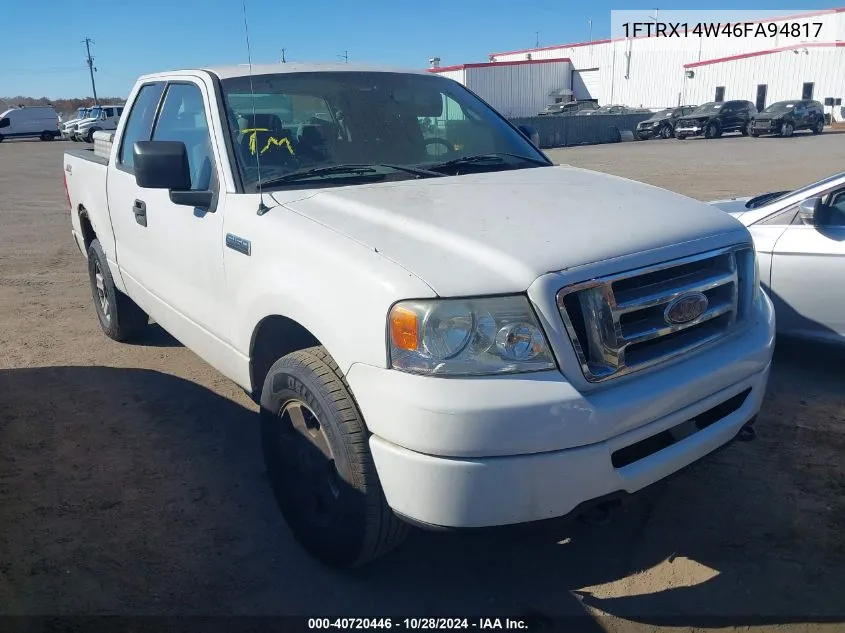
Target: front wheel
[711,131]
[818,128]
[318,460]
[666,132]
[680,137]
[46,136]
[746,129]
[89,136]
[120,318]
[786,129]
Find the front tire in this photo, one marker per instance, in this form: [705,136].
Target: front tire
[46,136]
[89,137]
[680,137]
[786,129]
[818,128]
[666,132]
[712,130]
[317,456]
[746,129]
[120,318]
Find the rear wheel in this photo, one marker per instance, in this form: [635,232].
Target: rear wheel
[746,129]
[818,128]
[680,137]
[46,136]
[786,129]
[319,464]
[120,318]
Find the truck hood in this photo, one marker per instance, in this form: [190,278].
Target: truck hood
[497,232]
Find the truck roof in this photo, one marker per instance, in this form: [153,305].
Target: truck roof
[242,70]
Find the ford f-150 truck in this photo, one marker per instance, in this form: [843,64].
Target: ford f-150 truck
[442,327]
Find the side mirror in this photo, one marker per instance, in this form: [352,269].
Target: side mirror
[531,133]
[164,165]
[808,209]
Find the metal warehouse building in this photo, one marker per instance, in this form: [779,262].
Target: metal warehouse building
[656,72]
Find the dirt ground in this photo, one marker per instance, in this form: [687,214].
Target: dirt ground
[131,480]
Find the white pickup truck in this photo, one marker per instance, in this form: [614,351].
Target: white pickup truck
[442,327]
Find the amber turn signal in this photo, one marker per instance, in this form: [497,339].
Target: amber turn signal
[404,330]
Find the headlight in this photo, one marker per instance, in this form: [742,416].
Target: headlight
[467,337]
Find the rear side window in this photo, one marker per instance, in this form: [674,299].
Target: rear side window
[140,123]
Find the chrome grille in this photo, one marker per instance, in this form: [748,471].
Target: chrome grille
[621,323]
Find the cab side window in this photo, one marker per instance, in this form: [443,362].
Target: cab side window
[140,123]
[4,122]
[183,118]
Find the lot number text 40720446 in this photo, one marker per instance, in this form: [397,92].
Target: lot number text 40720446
[430,624]
[726,29]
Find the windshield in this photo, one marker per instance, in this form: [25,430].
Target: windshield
[603,109]
[314,120]
[708,108]
[93,113]
[663,113]
[781,107]
[80,113]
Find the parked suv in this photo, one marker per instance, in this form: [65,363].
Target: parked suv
[784,117]
[662,124]
[714,118]
[570,107]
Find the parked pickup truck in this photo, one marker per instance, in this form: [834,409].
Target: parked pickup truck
[442,329]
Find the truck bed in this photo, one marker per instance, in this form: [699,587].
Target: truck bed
[88,154]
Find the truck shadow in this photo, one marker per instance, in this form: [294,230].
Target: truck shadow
[129,491]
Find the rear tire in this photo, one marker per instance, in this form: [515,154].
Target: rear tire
[46,136]
[680,137]
[120,318]
[818,128]
[89,136]
[712,130]
[746,129]
[786,129]
[318,460]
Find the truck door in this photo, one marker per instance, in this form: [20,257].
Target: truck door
[808,273]
[173,253]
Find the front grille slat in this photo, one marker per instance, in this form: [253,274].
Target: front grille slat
[652,331]
[664,292]
[627,322]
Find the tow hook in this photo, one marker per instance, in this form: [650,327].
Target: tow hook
[747,432]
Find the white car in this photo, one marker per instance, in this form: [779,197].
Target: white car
[800,240]
[445,330]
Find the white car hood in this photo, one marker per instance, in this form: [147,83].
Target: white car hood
[497,232]
[734,206]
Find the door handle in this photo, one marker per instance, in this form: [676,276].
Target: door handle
[139,208]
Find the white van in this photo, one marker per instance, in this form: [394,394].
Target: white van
[40,121]
[99,118]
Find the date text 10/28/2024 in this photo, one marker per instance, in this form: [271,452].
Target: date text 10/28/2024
[424,624]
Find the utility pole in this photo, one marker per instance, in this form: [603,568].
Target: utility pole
[90,61]
[283,55]
[537,42]
[345,56]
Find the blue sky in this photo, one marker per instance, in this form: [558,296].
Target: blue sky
[42,54]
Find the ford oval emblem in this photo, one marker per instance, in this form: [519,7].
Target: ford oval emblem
[685,308]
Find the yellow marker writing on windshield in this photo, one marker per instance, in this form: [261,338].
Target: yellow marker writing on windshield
[271,141]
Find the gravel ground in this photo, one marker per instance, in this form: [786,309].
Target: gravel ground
[131,479]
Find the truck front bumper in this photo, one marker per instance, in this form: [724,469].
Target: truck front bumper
[649,429]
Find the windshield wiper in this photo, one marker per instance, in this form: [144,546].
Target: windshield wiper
[496,157]
[365,170]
